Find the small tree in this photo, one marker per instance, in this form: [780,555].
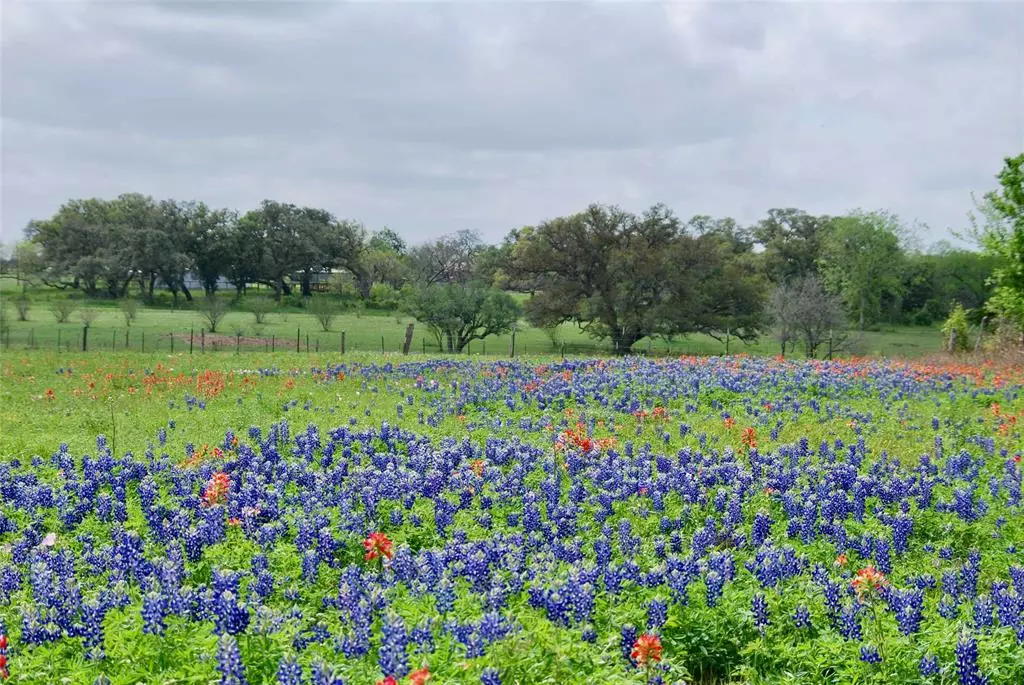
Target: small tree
[805,311]
[553,334]
[260,308]
[129,309]
[88,315]
[214,309]
[458,314]
[23,304]
[956,329]
[324,310]
[62,309]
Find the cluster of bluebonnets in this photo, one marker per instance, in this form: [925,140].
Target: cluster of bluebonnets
[520,509]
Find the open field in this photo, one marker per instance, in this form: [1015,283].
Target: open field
[154,329]
[167,519]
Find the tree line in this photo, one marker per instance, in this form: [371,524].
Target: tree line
[619,275]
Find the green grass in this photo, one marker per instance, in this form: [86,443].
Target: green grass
[373,331]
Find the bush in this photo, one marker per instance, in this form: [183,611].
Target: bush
[214,309]
[383,296]
[129,309]
[88,315]
[956,330]
[324,310]
[63,309]
[23,304]
[260,307]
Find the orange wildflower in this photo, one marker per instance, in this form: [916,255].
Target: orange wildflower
[646,649]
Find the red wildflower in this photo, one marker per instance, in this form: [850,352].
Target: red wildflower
[216,489]
[419,677]
[841,560]
[646,649]
[390,680]
[378,545]
[478,467]
[868,580]
[1016,458]
[729,422]
[50,395]
[749,438]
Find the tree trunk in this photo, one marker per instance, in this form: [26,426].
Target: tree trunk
[451,341]
[152,283]
[307,289]
[623,341]
[188,295]
[863,305]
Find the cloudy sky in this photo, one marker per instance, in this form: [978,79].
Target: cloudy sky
[430,118]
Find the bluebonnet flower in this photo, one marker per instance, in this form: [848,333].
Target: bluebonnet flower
[802,617]
[393,659]
[928,666]
[490,676]
[760,609]
[229,662]
[967,661]
[869,654]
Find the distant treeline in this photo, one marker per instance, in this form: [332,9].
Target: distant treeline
[620,275]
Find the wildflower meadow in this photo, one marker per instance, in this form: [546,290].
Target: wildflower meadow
[400,520]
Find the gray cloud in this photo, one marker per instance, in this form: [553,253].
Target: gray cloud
[435,117]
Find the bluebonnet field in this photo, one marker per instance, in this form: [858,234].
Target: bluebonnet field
[627,521]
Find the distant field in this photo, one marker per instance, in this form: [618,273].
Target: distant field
[157,329]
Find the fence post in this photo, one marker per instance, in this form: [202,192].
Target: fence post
[238,342]
[728,332]
[307,343]
[563,350]
[382,344]
[126,331]
[143,336]
[512,351]
[191,336]
[172,342]
[85,338]
[58,340]
[113,339]
[317,349]
[424,345]
[343,342]
[484,344]
[273,341]
[202,340]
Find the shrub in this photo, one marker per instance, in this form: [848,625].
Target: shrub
[324,310]
[129,309]
[88,315]
[63,309]
[23,304]
[260,307]
[214,309]
[956,330]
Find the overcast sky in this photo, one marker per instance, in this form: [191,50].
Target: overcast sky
[430,118]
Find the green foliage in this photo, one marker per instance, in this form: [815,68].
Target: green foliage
[1002,237]
[956,330]
[861,260]
[625,277]
[457,315]
[384,296]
